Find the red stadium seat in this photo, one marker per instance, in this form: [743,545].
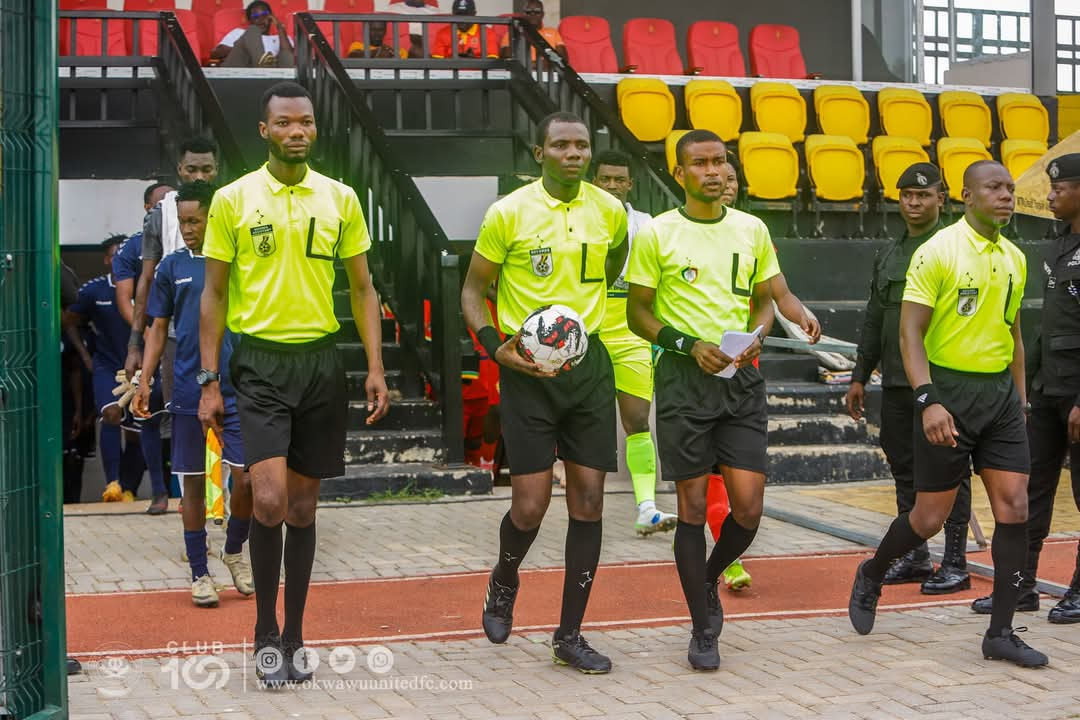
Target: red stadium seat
[148,33]
[349,6]
[588,44]
[285,8]
[502,30]
[149,5]
[649,47]
[88,35]
[205,10]
[713,49]
[227,20]
[775,52]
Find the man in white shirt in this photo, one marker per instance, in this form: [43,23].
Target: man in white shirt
[254,46]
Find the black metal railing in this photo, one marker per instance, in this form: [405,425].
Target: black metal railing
[538,68]
[411,260]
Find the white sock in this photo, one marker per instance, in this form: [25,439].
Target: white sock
[647,505]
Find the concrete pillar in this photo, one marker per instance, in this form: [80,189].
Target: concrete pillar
[1043,48]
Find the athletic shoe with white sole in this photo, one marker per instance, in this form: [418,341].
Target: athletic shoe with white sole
[203,592]
[240,569]
[651,521]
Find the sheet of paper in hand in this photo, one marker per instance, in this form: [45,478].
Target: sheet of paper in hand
[733,343]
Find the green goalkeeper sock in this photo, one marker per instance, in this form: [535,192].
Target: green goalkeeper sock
[641,462]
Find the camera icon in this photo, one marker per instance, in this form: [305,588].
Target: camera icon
[269,660]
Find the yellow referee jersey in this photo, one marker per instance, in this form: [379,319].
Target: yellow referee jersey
[974,287]
[282,242]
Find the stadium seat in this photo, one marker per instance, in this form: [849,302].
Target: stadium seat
[88,35]
[647,108]
[964,114]
[714,105]
[669,148]
[779,108]
[770,165]
[1023,117]
[775,52]
[1018,155]
[225,21]
[842,110]
[649,47]
[836,167]
[905,113]
[205,10]
[712,48]
[954,155]
[892,156]
[149,5]
[148,34]
[588,44]
[285,8]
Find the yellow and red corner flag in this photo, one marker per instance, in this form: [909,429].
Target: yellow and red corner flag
[215,489]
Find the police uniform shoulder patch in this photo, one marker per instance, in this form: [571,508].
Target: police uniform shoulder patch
[262,240]
[967,301]
[542,263]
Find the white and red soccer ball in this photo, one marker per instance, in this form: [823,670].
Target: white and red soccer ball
[554,338]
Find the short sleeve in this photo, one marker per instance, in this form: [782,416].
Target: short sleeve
[221,240]
[231,37]
[1019,284]
[152,246]
[619,227]
[160,303]
[644,266]
[126,263]
[923,277]
[354,232]
[84,302]
[491,242]
[765,255]
[493,43]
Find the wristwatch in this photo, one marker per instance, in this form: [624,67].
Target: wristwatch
[204,377]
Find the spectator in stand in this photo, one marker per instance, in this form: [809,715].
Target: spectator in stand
[534,15]
[377,46]
[416,38]
[471,43]
[256,45]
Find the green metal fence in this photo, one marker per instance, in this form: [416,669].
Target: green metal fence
[33,683]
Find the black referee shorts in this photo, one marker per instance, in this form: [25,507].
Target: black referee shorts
[572,413]
[703,421]
[293,403]
[987,414]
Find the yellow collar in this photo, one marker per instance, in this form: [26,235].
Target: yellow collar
[554,202]
[980,243]
[276,186]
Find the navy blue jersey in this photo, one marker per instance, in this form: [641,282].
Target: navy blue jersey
[127,262]
[97,303]
[175,293]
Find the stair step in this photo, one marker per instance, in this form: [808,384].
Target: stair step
[348,331]
[406,414]
[355,379]
[393,446]
[354,356]
[361,481]
[805,398]
[815,464]
[788,430]
[778,366]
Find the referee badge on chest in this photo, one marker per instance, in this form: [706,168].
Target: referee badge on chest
[262,239]
[967,301]
[541,261]
[689,274]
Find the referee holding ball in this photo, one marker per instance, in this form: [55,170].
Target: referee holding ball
[558,240]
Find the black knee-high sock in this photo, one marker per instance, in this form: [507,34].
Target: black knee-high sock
[899,538]
[583,540]
[513,544]
[1008,549]
[299,557]
[733,541]
[690,562]
[264,545]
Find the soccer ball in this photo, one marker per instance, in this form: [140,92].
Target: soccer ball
[553,337]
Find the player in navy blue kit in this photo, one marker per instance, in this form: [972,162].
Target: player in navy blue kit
[175,294]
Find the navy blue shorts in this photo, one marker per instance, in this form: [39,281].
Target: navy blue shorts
[189,444]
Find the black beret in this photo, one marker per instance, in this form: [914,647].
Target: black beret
[919,175]
[1066,167]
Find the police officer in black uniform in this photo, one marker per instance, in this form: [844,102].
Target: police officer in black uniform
[1054,390]
[921,200]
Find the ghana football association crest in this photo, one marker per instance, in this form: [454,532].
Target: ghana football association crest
[262,239]
[541,261]
[689,274]
[967,301]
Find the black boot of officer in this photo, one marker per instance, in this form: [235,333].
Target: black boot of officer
[952,576]
[911,567]
[1026,601]
[1067,611]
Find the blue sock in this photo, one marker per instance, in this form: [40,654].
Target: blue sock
[195,542]
[150,437]
[236,533]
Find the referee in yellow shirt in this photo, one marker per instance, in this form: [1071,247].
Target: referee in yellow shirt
[695,273]
[963,355]
[558,240]
[272,239]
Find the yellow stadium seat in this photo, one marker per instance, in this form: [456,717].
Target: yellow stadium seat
[779,108]
[1023,117]
[669,148]
[1019,155]
[842,110]
[714,105]
[964,114]
[1068,115]
[770,165]
[892,156]
[905,113]
[954,156]
[647,108]
[836,166]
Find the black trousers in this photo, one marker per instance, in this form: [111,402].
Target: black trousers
[1048,438]
[897,440]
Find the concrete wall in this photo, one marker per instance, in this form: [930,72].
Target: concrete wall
[91,210]
[994,70]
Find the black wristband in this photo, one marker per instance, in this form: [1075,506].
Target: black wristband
[925,396]
[671,339]
[135,340]
[490,340]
